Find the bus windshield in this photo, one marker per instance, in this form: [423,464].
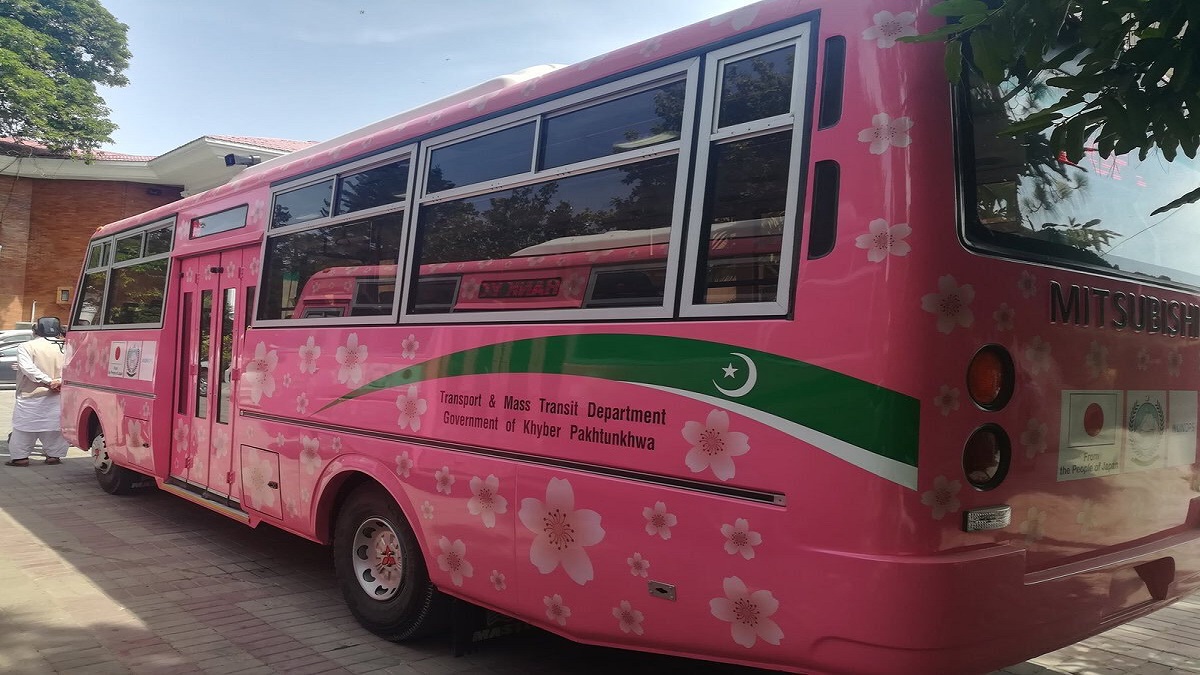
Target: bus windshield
[1022,198]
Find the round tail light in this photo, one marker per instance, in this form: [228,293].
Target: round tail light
[990,377]
[986,457]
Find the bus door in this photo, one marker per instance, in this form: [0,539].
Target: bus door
[215,294]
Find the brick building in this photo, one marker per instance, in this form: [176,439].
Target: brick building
[51,205]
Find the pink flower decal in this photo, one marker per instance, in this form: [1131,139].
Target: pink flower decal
[498,581]
[404,464]
[1004,316]
[1097,359]
[310,455]
[1027,284]
[351,358]
[486,500]
[739,538]
[748,613]
[886,132]
[411,408]
[951,304]
[1038,355]
[1174,362]
[302,403]
[658,521]
[947,399]
[638,566]
[258,375]
[445,480]
[629,618]
[427,510]
[556,611]
[943,498]
[714,446]
[309,352]
[882,240]
[453,559]
[561,532]
[888,27]
[409,347]
[1034,438]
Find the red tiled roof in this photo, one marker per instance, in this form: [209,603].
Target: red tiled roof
[33,149]
[281,144]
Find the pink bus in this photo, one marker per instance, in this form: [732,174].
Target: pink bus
[752,342]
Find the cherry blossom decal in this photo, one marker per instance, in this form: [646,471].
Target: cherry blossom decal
[310,455]
[1086,518]
[556,611]
[1174,362]
[1034,438]
[943,498]
[309,352]
[453,559]
[748,613]
[738,18]
[1143,359]
[638,566]
[409,347]
[739,538]
[886,132]
[1097,359]
[1033,525]
[404,464]
[498,581]
[258,474]
[882,240]
[486,500]
[713,445]
[445,480]
[411,408]
[302,403]
[1027,284]
[351,358]
[888,27]
[951,304]
[946,400]
[658,521]
[1004,317]
[427,510]
[628,618]
[1037,355]
[258,375]
[562,532]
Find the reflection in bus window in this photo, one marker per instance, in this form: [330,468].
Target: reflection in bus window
[324,266]
[628,123]
[302,204]
[757,87]
[744,217]
[498,154]
[135,294]
[374,187]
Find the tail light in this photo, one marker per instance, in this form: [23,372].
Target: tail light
[986,457]
[990,377]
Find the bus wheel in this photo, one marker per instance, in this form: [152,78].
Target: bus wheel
[381,571]
[113,479]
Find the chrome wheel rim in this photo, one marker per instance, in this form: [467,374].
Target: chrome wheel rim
[100,458]
[377,563]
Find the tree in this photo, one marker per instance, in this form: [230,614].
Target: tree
[1133,81]
[53,53]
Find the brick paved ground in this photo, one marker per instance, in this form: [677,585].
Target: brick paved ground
[150,583]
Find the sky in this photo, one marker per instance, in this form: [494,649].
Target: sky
[311,70]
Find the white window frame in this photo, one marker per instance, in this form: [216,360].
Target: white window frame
[681,148]
[406,204]
[799,37]
[173,223]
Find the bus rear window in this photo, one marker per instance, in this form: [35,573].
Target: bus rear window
[1030,202]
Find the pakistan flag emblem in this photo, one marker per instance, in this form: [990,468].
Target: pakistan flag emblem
[742,371]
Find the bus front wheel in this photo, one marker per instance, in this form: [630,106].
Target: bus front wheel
[381,571]
[113,479]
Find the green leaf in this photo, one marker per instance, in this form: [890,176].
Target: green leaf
[985,52]
[1189,198]
[954,61]
[959,8]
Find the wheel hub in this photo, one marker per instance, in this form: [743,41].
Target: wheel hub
[100,458]
[378,564]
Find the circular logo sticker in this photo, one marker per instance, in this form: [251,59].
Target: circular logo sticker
[1147,424]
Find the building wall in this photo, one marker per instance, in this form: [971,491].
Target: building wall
[44,229]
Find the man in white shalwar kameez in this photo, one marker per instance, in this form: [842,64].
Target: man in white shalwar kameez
[37,408]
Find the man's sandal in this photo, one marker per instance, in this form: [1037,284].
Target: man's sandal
[17,462]
[53,460]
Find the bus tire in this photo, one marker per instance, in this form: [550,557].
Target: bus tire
[381,570]
[113,479]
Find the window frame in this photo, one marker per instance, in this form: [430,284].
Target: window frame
[193,230]
[800,38]
[108,263]
[409,152]
[686,70]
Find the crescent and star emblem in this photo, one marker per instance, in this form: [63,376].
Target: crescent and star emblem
[751,377]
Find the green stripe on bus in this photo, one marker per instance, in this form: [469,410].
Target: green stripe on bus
[866,415]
